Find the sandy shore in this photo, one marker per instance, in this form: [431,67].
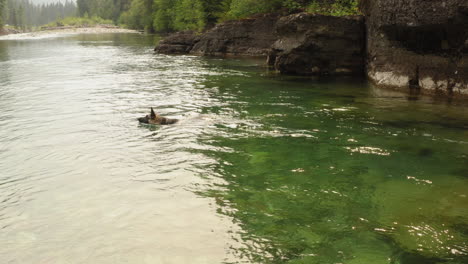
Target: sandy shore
[60,31]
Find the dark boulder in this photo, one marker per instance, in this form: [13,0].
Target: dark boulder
[245,37]
[311,44]
[177,43]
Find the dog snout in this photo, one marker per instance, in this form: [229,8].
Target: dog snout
[143,120]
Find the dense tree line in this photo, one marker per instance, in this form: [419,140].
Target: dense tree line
[2,7]
[176,15]
[106,9]
[166,15]
[24,14]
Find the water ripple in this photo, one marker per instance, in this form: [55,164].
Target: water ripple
[73,155]
[260,167]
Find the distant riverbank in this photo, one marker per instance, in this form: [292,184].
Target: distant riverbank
[100,29]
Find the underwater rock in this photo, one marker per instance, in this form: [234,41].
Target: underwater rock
[424,216]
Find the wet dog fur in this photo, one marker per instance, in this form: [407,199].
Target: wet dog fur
[155,119]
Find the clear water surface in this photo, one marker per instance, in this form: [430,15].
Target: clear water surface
[261,168]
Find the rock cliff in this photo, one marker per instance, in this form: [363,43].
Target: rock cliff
[311,44]
[418,45]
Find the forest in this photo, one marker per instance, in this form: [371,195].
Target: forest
[163,15]
[25,15]
[178,15]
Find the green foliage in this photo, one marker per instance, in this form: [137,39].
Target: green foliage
[338,8]
[139,16]
[178,15]
[24,14]
[163,19]
[107,9]
[245,8]
[2,8]
[316,8]
[215,10]
[170,15]
[291,4]
[189,15]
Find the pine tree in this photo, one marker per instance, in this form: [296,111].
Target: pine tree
[2,10]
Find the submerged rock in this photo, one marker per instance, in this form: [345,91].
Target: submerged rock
[425,216]
[418,44]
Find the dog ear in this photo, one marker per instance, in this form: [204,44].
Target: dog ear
[153,115]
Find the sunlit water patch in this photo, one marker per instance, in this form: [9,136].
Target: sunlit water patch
[260,169]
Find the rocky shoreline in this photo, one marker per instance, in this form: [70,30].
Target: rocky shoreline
[289,43]
[419,47]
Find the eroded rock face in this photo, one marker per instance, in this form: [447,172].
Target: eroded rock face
[245,37]
[311,44]
[252,37]
[418,44]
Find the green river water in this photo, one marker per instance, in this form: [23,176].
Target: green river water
[261,168]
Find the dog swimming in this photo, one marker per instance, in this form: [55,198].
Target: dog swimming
[155,119]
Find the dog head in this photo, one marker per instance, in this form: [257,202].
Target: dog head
[152,118]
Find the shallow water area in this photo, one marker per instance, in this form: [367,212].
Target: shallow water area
[261,168]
